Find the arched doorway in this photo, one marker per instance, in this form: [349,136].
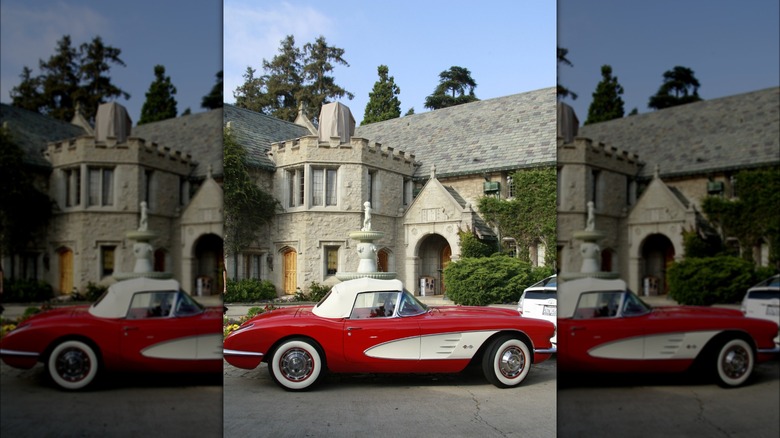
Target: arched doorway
[208,264]
[657,254]
[290,271]
[435,253]
[65,283]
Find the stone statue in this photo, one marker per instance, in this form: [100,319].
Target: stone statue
[591,223]
[144,223]
[367,217]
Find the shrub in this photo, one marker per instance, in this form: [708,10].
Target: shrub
[711,280]
[249,290]
[27,291]
[471,246]
[490,280]
[91,293]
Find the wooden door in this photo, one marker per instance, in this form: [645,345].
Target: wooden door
[66,271]
[446,256]
[290,272]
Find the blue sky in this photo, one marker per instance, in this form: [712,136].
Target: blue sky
[509,47]
[187,41]
[732,46]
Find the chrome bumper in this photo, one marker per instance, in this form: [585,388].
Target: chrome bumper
[552,350]
[241,353]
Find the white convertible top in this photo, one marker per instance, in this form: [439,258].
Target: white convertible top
[569,292]
[117,299]
[341,297]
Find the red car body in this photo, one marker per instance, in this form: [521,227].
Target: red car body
[604,327]
[375,326]
[125,330]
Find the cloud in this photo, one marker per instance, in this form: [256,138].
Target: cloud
[252,33]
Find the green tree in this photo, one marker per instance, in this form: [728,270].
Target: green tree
[214,99]
[563,92]
[96,87]
[250,95]
[383,103]
[679,87]
[752,216]
[160,103]
[456,87]
[607,103]
[321,86]
[291,78]
[248,209]
[28,94]
[530,216]
[70,76]
[24,210]
[60,81]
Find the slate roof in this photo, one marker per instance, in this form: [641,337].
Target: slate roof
[199,135]
[257,131]
[728,133]
[31,131]
[504,133]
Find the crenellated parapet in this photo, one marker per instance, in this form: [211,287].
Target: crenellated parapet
[134,151]
[597,154]
[309,149]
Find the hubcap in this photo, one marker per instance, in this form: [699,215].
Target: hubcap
[73,364]
[296,364]
[512,362]
[735,362]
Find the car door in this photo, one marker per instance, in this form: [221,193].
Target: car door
[153,338]
[599,338]
[376,338]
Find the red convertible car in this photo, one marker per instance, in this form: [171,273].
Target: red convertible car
[136,325]
[375,326]
[604,327]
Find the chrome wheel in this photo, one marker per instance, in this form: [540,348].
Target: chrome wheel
[296,365]
[511,362]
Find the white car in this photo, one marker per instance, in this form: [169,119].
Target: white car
[763,300]
[540,301]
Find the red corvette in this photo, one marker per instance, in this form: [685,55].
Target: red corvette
[604,327]
[137,325]
[375,326]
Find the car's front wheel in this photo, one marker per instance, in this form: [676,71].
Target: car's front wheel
[506,362]
[296,365]
[72,364]
[734,362]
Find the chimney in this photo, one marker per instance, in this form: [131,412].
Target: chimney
[112,121]
[567,122]
[336,121]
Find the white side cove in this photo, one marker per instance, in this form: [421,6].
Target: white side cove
[663,346]
[440,346]
[203,347]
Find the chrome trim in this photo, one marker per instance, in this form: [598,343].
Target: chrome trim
[18,353]
[773,350]
[552,350]
[241,353]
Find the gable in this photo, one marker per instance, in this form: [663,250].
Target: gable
[659,203]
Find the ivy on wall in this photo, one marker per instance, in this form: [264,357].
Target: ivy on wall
[530,217]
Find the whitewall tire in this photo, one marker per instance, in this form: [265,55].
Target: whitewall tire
[734,362]
[296,365]
[506,362]
[72,365]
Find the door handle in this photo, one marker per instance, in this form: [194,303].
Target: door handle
[349,329]
[128,328]
[577,327]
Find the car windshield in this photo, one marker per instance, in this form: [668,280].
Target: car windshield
[410,305]
[186,305]
[633,305]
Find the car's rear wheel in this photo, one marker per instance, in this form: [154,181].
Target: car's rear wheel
[506,362]
[72,364]
[296,365]
[734,362]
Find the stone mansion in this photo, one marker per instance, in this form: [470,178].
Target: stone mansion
[422,174]
[98,176]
